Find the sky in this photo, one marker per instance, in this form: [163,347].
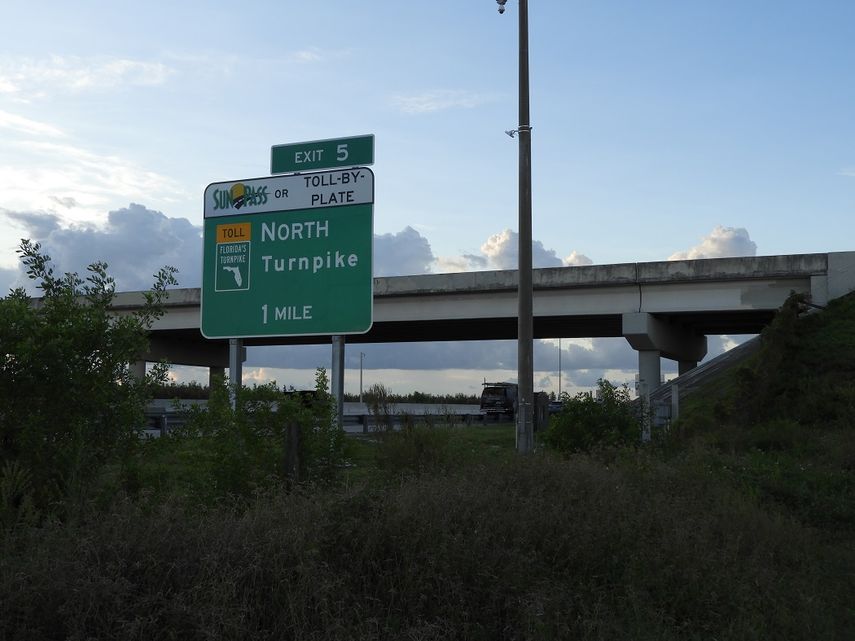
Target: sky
[661,130]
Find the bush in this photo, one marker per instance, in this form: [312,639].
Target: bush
[380,404]
[237,451]
[68,402]
[587,421]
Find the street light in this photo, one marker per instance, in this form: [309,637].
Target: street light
[525,332]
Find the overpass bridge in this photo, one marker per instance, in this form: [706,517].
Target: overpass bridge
[664,309]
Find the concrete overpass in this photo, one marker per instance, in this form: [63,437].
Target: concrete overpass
[664,309]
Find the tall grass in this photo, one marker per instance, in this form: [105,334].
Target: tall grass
[517,549]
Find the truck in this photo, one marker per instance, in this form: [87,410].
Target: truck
[499,399]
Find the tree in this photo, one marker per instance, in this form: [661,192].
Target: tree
[68,402]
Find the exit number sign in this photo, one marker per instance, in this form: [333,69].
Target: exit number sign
[322,154]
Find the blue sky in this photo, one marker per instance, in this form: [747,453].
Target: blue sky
[659,128]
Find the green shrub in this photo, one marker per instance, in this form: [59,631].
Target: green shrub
[223,450]
[587,421]
[69,406]
[379,400]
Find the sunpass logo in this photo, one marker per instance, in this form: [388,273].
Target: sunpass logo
[239,196]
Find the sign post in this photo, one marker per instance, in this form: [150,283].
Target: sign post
[289,255]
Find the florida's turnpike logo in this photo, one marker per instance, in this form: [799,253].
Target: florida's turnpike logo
[232,252]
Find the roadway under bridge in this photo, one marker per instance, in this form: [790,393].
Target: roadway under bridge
[664,309]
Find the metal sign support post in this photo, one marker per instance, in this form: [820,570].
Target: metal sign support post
[337,378]
[236,358]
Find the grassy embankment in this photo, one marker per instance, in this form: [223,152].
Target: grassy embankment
[738,525]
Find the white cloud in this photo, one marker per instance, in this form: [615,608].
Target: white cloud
[27,126]
[575,259]
[441,100]
[464,263]
[48,173]
[307,55]
[848,171]
[721,242]
[29,77]
[502,252]
[404,253]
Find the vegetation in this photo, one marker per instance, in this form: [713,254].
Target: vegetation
[736,525]
[68,403]
[196,391]
[190,391]
[591,420]
[421,397]
[783,425]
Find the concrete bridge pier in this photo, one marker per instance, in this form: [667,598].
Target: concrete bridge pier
[649,369]
[654,338]
[215,373]
[137,369]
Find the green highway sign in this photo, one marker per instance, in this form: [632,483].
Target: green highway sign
[288,255]
[322,154]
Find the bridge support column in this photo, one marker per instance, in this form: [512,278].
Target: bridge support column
[214,374]
[653,338]
[137,369]
[649,370]
[337,377]
[649,375]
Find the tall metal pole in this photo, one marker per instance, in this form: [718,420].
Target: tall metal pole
[525,338]
[559,369]
[525,330]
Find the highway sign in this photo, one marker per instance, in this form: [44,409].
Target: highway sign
[288,255]
[322,154]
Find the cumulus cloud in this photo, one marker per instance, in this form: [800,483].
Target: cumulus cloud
[721,242]
[135,242]
[404,253]
[575,259]
[502,252]
[464,263]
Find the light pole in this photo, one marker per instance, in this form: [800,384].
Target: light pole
[525,330]
[559,369]
[361,358]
